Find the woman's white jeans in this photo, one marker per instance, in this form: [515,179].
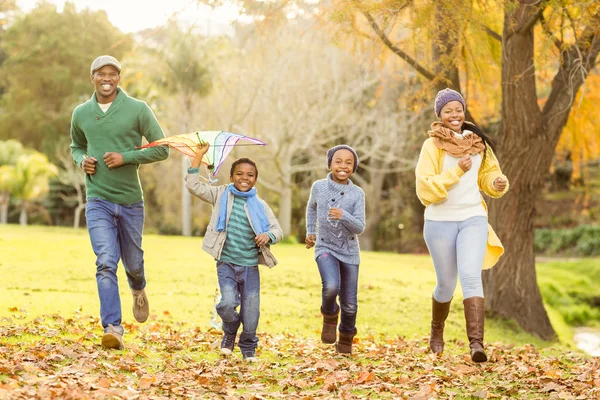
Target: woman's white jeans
[457,249]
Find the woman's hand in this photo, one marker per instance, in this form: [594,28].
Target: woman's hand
[465,163]
[499,184]
[201,150]
[310,241]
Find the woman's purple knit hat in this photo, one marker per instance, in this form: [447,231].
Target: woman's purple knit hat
[445,96]
[332,151]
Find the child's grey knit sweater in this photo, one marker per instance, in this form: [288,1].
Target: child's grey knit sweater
[338,238]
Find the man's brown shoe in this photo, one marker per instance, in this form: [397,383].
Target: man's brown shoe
[112,339]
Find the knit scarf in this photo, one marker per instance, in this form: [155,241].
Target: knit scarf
[255,208]
[445,139]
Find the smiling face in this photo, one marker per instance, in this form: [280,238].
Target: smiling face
[243,177]
[106,80]
[342,165]
[453,115]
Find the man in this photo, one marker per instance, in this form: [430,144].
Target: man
[105,131]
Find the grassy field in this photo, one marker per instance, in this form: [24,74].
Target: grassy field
[50,333]
[48,270]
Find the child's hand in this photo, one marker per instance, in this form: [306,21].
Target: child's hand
[262,239]
[310,241]
[201,150]
[334,213]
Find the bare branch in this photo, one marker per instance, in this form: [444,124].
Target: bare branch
[534,18]
[399,52]
[558,43]
[577,62]
[492,33]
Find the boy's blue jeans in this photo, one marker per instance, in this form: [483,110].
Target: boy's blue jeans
[116,233]
[457,249]
[240,286]
[339,278]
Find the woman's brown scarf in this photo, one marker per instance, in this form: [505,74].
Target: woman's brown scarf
[445,139]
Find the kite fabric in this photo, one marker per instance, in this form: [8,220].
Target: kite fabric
[221,143]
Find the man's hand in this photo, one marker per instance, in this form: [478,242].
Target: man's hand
[88,165]
[113,159]
[262,239]
[310,241]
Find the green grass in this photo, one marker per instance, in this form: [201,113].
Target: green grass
[51,270]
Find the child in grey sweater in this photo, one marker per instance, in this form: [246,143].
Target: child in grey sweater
[335,216]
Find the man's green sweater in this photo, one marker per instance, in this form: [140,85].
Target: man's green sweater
[120,129]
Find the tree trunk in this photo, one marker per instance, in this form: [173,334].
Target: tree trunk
[4,199]
[285,205]
[511,289]
[186,202]
[529,141]
[23,215]
[373,210]
[77,216]
[186,196]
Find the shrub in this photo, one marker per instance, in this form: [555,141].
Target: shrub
[580,242]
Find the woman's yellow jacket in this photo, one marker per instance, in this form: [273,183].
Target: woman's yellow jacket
[433,184]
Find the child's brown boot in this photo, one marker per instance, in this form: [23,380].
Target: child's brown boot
[328,334]
[344,344]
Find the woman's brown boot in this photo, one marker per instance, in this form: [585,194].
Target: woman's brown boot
[439,313]
[344,344]
[328,334]
[474,316]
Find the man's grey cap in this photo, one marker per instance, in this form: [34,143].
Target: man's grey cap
[103,61]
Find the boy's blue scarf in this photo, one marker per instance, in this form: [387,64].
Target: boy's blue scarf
[255,208]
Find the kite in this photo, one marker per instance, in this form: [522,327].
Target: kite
[221,143]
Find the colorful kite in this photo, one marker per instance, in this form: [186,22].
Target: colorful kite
[221,143]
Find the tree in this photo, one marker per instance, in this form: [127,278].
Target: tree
[528,135]
[46,71]
[72,176]
[32,171]
[301,94]
[175,64]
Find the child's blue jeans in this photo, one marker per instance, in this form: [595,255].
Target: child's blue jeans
[339,278]
[240,286]
[457,249]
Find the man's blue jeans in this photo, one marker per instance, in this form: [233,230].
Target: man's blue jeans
[116,233]
[339,278]
[240,286]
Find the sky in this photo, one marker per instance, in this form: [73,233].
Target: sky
[134,15]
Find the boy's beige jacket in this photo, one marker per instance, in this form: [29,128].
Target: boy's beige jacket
[432,187]
[214,240]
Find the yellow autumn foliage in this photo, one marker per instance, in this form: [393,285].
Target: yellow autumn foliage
[580,139]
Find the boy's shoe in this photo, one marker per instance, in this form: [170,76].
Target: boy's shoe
[250,356]
[227,344]
[112,339]
[141,309]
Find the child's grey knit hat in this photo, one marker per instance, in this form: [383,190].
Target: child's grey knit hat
[332,151]
[445,96]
